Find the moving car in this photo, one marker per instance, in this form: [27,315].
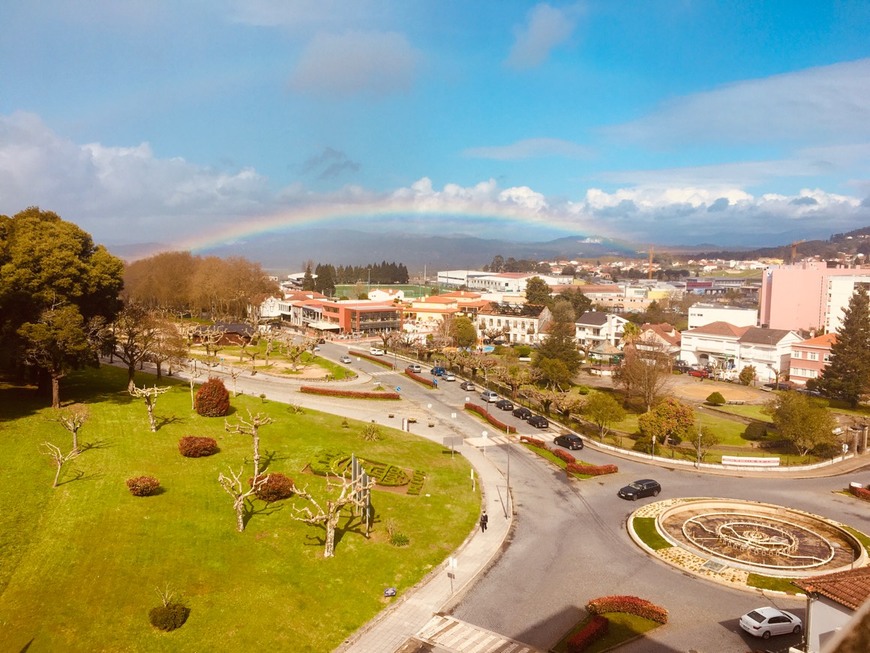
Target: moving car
[467,385]
[538,422]
[489,396]
[504,404]
[522,412]
[437,371]
[345,359]
[764,622]
[569,441]
[413,367]
[377,351]
[448,376]
[646,487]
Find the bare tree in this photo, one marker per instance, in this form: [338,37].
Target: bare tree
[169,346]
[234,486]
[193,374]
[251,427]
[210,337]
[645,371]
[72,419]
[350,494]
[135,332]
[58,457]
[150,396]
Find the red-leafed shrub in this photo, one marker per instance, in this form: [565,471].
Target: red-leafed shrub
[275,487]
[860,492]
[564,455]
[192,446]
[143,486]
[348,394]
[591,470]
[380,360]
[169,617]
[595,629]
[630,605]
[420,379]
[489,417]
[212,399]
[535,442]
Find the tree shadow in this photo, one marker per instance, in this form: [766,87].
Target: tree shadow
[160,422]
[252,509]
[73,475]
[97,444]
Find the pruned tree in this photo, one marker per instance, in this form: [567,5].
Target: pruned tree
[73,419]
[515,376]
[565,403]
[326,514]
[211,338]
[149,395]
[235,487]
[544,398]
[58,457]
[645,371]
[704,441]
[251,427]
[603,411]
[169,346]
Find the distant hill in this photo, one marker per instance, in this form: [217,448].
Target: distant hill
[850,243]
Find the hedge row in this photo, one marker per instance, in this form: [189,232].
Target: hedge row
[628,604]
[420,379]
[348,394]
[564,455]
[571,463]
[380,360]
[535,442]
[416,484]
[860,492]
[596,628]
[489,417]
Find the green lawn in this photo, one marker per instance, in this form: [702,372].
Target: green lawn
[80,564]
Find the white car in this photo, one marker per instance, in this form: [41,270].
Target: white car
[345,359]
[764,622]
[377,351]
[448,376]
[489,396]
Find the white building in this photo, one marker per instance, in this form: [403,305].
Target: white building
[839,292]
[701,314]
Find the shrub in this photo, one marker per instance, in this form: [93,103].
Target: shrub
[564,455]
[628,604]
[192,446]
[350,394]
[143,486]
[595,629]
[715,399]
[168,617]
[275,486]
[212,399]
[860,492]
[489,417]
[535,442]
[591,470]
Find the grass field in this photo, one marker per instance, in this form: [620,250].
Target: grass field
[80,564]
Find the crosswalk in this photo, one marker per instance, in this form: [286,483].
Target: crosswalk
[454,636]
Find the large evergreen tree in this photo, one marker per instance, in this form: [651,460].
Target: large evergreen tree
[847,376]
[559,345]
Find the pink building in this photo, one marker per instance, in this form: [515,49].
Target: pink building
[795,297]
[810,357]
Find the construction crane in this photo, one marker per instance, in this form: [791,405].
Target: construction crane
[649,274]
[794,250]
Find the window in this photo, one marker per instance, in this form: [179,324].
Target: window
[812,356]
[796,354]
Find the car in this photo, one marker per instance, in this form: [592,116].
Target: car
[645,487]
[437,371]
[413,367]
[377,351]
[345,359]
[522,412]
[467,385]
[504,404]
[569,441]
[448,376]
[765,622]
[539,422]
[489,396]
[315,348]
[701,373]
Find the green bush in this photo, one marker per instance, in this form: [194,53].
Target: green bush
[715,399]
[399,539]
[191,446]
[143,486]
[168,617]
[212,399]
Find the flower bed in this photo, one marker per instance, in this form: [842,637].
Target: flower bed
[631,605]
[349,394]
[380,360]
[860,492]
[595,629]
[489,417]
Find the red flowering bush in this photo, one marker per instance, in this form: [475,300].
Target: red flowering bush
[142,486]
[860,492]
[274,487]
[535,442]
[348,394]
[591,470]
[564,455]
[489,417]
[630,605]
[192,446]
[595,629]
[212,399]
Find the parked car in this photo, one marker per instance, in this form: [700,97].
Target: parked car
[437,370]
[539,422]
[489,396]
[377,351]
[764,622]
[522,412]
[569,441]
[448,376]
[504,404]
[701,373]
[645,487]
[467,385]
[413,367]
[345,359]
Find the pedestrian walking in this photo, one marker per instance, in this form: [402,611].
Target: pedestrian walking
[484,520]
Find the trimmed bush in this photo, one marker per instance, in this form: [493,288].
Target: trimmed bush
[535,442]
[591,470]
[715,399]
[489,417]
[860,492]
[212,399]
[349,394]
[630,605]
[168,617]
[276,486]
[564,455]
[142,486]
[596,628]
[192,446]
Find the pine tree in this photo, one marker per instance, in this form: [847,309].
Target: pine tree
[847,375]
[559,345]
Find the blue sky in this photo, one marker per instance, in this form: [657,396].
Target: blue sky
[662,121]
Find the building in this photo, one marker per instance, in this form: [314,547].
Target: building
[810,357]
[594,329]
[832,603]
[517,323]
[701,314]
[663,337]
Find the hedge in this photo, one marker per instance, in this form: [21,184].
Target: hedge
[596,628]
[591,470]
[348,394]
[489,417]
[420,379]
[629,604]
[380,360]
[535,442]
[860,492]
[564,455]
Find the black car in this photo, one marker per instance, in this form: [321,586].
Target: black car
[569,441]
[467,385]
[522,412]
[643,488]
[538,422]
[504,404]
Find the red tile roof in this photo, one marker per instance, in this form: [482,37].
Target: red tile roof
[720,329]
[849,588]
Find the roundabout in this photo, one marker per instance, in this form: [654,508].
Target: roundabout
[726,540]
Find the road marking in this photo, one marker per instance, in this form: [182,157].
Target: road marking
[450,634]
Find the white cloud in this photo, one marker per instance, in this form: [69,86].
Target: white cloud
[547,28]
[356,62]
[308,15]
[531,148]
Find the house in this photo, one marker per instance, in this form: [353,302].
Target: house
[712,345]
[664,337]
[832,603]
[810,357]
[386,294]
[517,323]
[594,328]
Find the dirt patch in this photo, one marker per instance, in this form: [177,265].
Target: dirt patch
[692,389]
